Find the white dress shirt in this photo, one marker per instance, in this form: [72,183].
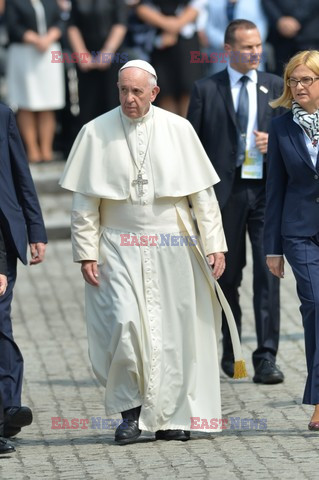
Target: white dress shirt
[235,85]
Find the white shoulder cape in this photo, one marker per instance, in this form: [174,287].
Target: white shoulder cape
[98,164]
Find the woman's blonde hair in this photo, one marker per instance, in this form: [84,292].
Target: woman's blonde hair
[310,58]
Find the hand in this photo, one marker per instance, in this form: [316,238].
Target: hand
[104,61]
[288,26]
[261,141]
[172,25]
[90,272]
[203,39]
[168,40]
[3,284]
[217,262]
[37,251]
[276,266]
[85,64]
[43,43]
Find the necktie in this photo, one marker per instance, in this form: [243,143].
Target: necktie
[230,9]
[242,120]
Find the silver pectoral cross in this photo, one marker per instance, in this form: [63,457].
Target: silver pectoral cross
[139,182]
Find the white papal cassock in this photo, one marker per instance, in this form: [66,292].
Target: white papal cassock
[154,320]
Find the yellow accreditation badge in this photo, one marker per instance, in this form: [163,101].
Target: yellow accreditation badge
[253,165]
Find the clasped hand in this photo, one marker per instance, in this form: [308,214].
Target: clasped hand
[276,266]
[3,284]
[218,264]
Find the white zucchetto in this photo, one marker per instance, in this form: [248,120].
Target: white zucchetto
[140,64]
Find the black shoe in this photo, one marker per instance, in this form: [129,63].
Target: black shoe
[268,373]
[182,435]
[128,431]
[228,367]
[15,418]
[6,446]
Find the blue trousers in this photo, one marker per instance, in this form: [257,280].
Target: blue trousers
[11,360]
[303,255]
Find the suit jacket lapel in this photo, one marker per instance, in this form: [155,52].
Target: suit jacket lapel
[262,103]
[225,91]
[297,138]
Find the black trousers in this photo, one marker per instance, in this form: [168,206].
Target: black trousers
[11,360]
[244,212]
[1,416]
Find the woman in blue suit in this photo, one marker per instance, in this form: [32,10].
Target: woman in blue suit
[292,209]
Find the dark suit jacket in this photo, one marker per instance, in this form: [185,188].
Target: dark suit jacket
[212,114]
[292,186]
[3,261]
[20,17]
[305,11]
[20,214]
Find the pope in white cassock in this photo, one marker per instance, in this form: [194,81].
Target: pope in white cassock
[153,316]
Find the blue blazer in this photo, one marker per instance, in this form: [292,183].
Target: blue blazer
[292,205]
[20,213]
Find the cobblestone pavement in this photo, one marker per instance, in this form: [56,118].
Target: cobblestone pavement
[50,329]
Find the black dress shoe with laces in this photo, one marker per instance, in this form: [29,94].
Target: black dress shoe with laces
[181,435]
[128,431]
[15,418]
[228,367]
[6,446]
[268,373]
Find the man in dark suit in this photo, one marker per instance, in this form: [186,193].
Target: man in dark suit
[21,222]
[5,445]
[231,115]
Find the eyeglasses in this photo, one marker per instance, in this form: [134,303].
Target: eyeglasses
[304,81]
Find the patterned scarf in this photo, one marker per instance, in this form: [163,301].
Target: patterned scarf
[308,121]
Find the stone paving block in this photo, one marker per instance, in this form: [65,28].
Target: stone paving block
[50,329]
